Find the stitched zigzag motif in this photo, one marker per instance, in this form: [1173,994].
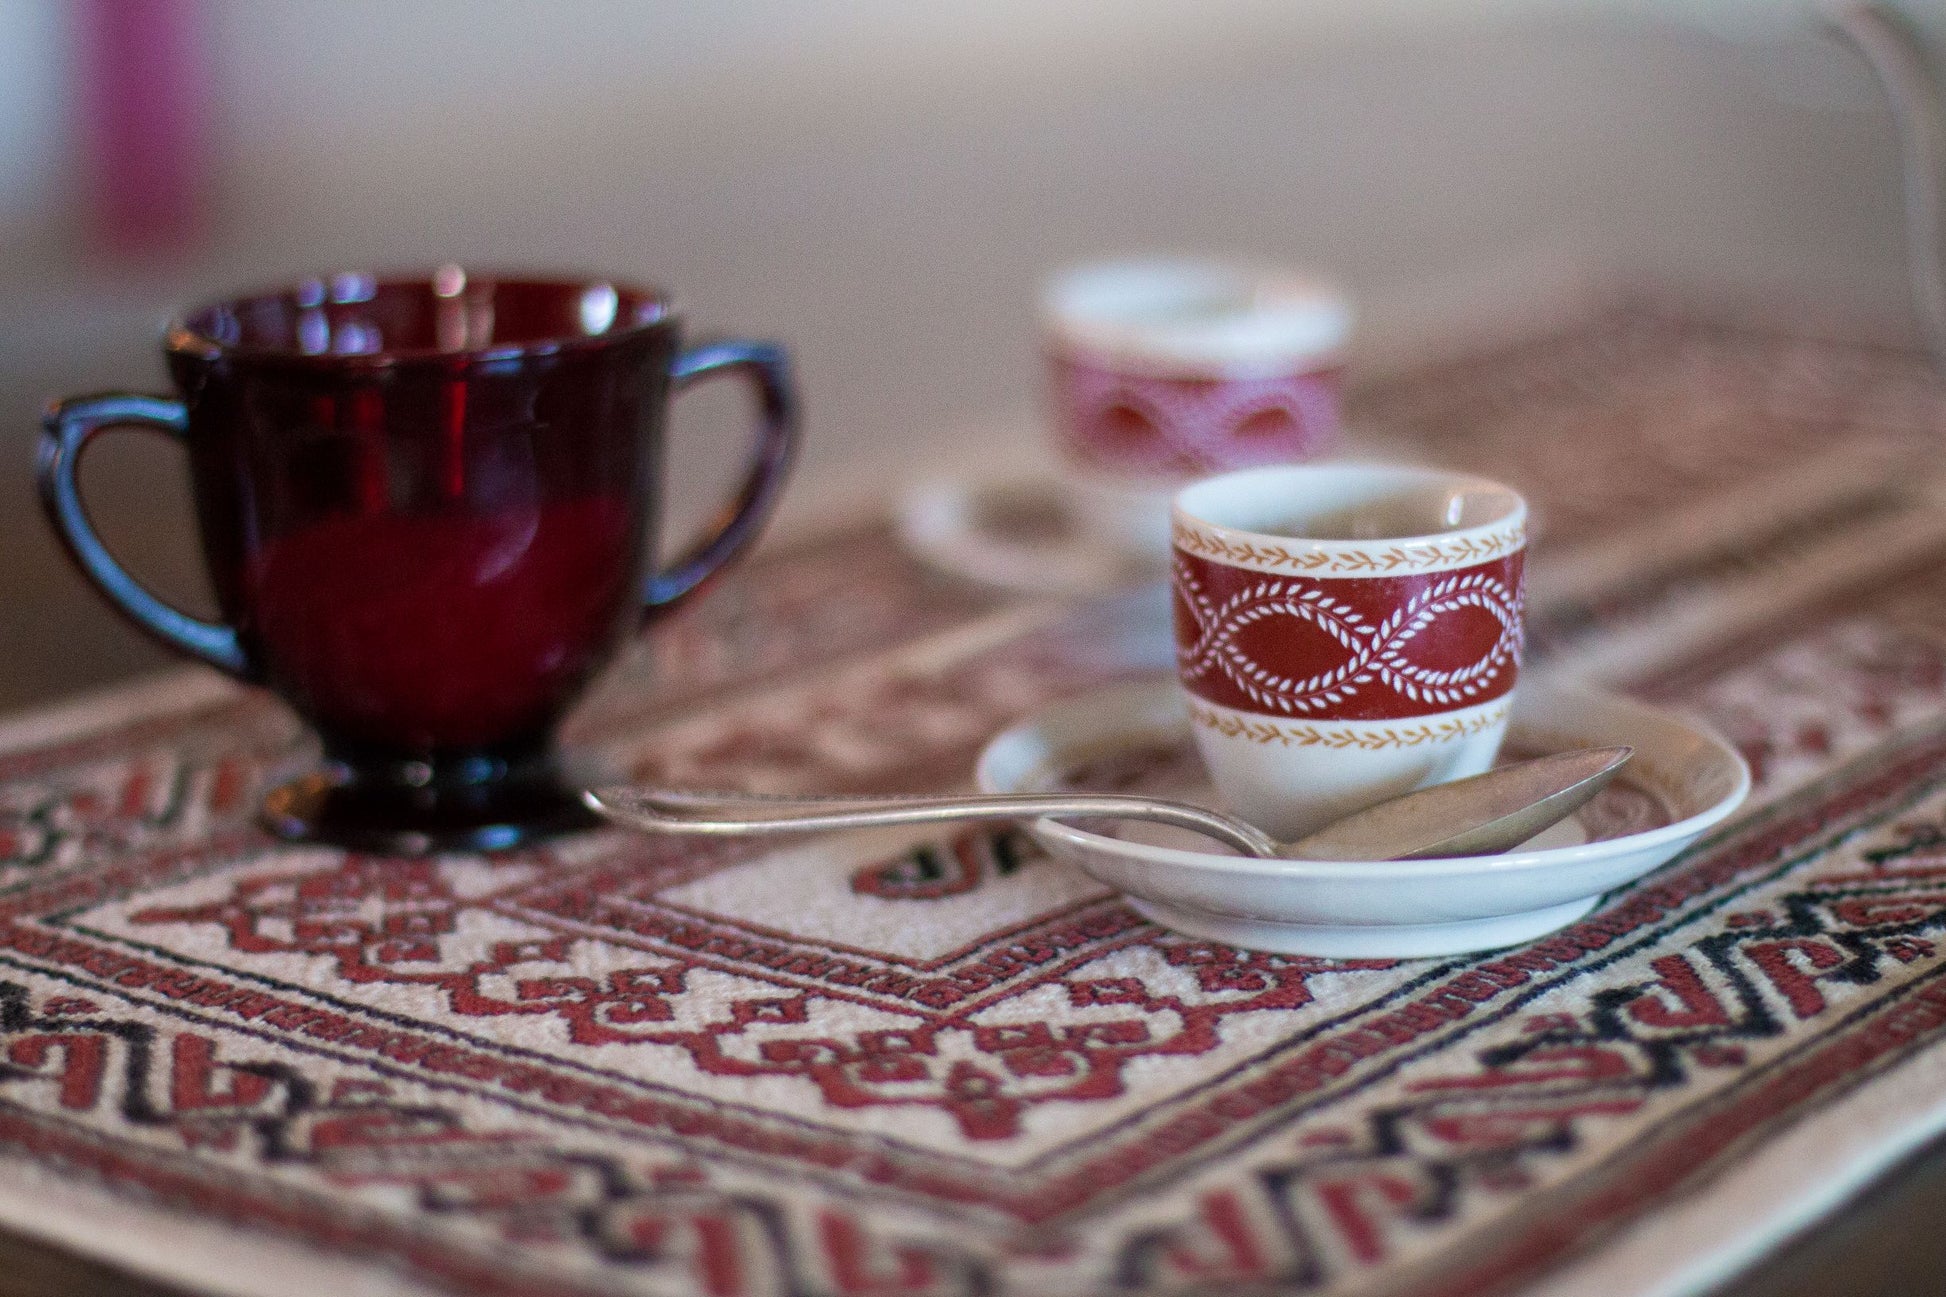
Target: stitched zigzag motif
[1488,1124]
[654,1215]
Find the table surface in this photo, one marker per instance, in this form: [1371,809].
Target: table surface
[1743,466]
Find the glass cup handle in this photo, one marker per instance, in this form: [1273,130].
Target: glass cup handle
[765,366]
[65,431]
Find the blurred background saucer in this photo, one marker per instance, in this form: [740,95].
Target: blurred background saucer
[1017,530]
[1032,528]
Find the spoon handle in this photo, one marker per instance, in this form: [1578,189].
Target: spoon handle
[738,813]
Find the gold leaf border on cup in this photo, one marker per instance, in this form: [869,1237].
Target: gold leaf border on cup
[1349,560]
[1362,737]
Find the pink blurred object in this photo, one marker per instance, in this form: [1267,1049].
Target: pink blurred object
[1167,369]
[142,95]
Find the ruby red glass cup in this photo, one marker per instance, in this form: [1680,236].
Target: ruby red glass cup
[424,505]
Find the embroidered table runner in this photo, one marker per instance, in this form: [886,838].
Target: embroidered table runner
[908,1062]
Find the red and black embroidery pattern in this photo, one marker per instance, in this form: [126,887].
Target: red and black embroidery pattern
[925,1066]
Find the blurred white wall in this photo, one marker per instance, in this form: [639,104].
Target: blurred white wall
[882,183]
[32,133]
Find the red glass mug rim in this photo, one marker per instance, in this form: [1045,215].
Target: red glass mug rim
[216,329]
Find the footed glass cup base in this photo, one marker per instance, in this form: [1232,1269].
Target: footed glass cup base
[421,807]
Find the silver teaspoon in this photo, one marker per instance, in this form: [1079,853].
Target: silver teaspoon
[1467,817]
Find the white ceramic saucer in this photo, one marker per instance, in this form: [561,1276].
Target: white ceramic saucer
[1022,532]
[1039,530]
[1682,781]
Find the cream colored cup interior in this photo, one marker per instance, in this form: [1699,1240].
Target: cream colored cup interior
[1355,502]
[1197,313]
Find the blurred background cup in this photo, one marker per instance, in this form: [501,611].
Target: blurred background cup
[1345,632]
[1167,369]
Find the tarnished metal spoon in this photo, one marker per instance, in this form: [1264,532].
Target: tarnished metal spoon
[1467,817]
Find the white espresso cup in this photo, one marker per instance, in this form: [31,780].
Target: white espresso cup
[1345,632]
